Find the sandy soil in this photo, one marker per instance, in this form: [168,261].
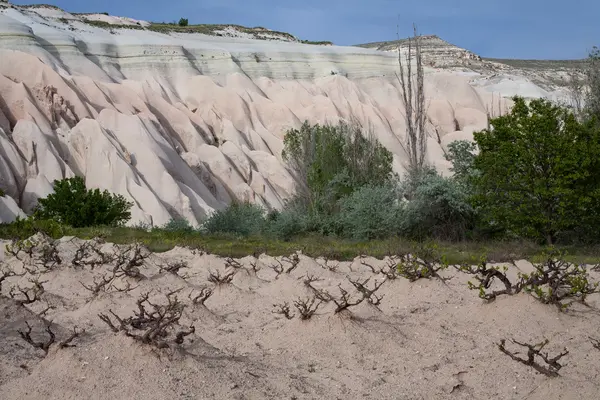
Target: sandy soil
[426,340]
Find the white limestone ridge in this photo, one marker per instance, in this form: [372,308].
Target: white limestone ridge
[436,52]
[182,123]
[503,76]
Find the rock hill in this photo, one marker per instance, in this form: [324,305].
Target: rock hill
[436,52]
[181,120]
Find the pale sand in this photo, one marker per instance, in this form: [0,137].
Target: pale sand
[427,340]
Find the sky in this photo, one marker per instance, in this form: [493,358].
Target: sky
[523,29]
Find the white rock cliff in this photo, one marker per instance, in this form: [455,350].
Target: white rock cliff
[182,123]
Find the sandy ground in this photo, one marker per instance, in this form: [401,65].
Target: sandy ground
[426,340]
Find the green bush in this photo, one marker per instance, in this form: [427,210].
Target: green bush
[23,228]
[177,225]
[74,205]
[461,153]
[330,162]
[183,22]
[291,222]
[241,219]
[439,207]
[2,194]
[538,172]
[370,212]
[592,80]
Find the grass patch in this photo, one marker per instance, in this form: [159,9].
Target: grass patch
[41,6]
[106,25]
[90,13]
[318,43]
[159,240]
[206,29]
[211,29]
[539,64]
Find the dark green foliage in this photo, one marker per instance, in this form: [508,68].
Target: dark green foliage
[2,194]
[24,228]
[534,174]
[292,221]
[311,245]
[241,219]
[213,29]
[461,153]
[178,225]
[74,205]
[592,80]
[183,22]
[370,212]
[111,27]
[348,188]
[538,172]
[330,162]
[319,42]
[439,207]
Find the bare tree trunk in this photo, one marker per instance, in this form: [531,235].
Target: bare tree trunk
[413,98]
[593,82]
[584,87]
[577,91]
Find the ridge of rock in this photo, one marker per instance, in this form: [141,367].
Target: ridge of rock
[182,123]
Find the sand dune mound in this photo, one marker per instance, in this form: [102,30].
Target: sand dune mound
[422,340]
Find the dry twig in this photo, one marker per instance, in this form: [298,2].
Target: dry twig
[309,279]
[129,260]
[320,294]
[173,268]
[45,346]
[294,261]
[254,265]
[553,366]
[331,268]
[7,272]
[89,254]
[67,341]
[552,282]
[230,262]
[277,268]
[426,265]
[390,270]
[218,279]
[99,285]
[153,321]
[31,294]
[307,308]
[283,309]
[369,294]
[343,303]
[48,257]
[362,262]
[201,297]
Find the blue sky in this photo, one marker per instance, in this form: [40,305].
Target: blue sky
[537,29]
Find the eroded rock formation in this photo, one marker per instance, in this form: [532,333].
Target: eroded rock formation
[181,124]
